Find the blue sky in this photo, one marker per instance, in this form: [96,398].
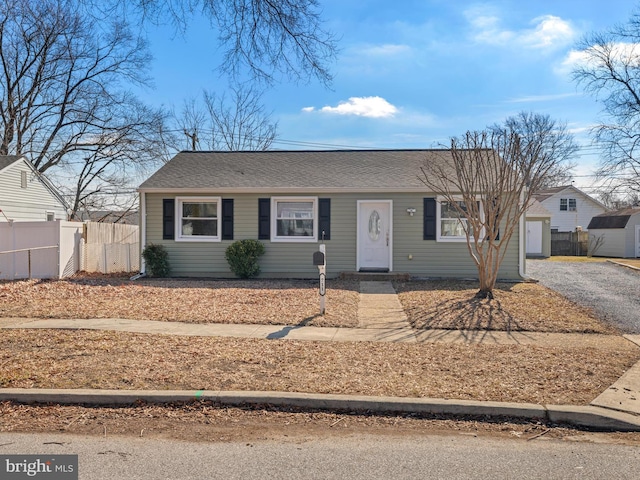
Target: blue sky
[411,74]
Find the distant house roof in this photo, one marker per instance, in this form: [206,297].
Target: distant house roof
[542,195]
[536,209]
[615,219]
[273,170]
[547,193]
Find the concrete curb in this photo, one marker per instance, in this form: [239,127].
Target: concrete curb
[622,264]
[582,416]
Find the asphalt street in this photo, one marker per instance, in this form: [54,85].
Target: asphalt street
[354,457]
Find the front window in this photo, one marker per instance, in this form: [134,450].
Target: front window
[295,219]
[453,222]
[198,218]
[572,205]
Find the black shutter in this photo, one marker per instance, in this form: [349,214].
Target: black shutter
[264,218]
[429,228]
[168,222]
[227,219]
[324,218]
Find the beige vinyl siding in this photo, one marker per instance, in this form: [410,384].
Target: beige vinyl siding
[430,258]
[27,204]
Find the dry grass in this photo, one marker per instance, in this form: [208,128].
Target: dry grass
[572,374]
[89,359]
[574,259]
[280,302]
[634,262]
[517,306]
[428,304]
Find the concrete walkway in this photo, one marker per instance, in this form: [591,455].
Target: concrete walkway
[381,319]
[379,307]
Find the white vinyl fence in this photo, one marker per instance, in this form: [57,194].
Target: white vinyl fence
[110,248]
[39,249]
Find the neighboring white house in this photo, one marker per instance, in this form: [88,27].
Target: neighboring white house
[620,232]
[570,207]
[26,195]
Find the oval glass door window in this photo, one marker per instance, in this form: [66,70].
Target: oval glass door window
[374,225]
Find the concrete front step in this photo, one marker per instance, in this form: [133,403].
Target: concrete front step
[376,276]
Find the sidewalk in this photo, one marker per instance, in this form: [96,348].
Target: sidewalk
[381,319]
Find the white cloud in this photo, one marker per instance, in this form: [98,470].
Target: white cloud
[621,53]
[308,109]
[386,50]
[541,98]
[373,107]
[548,31]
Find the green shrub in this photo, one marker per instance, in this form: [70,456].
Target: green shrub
[157,260]
[243,257]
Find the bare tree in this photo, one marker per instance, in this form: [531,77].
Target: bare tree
[555,139]
[63,100]
[193,123]
[239,121]
[265,38]
[235,121]
[112,163]
[610,70]
[617,200]
[487,186]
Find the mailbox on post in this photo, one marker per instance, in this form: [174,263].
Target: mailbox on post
[320,260]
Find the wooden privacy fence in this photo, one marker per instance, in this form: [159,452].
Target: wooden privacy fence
[569,243]
[110,248]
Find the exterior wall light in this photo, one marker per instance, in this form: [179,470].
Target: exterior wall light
[411,211]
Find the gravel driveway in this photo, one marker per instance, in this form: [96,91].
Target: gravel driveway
[612,291]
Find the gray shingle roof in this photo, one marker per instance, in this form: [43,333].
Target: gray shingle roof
[615,219]
[6,160]
[542,195]
[339,170]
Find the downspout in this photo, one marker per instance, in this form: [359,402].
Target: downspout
[522,269]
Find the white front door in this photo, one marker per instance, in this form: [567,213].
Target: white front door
[374,235]
[534,238]
[637,241]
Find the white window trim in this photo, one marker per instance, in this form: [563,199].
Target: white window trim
[53,216]
[566,200]
[456,239]
[274,220]
[178,220]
